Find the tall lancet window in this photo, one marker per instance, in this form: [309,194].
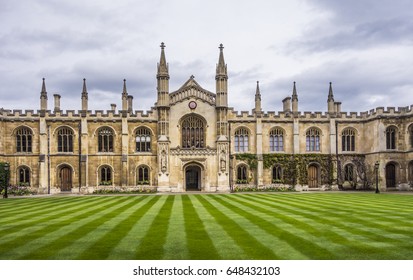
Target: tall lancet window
[276,140]
[65,140]
[241,140]
[193,134]
[105,140]
[313,140]
[391,138]
[24,140]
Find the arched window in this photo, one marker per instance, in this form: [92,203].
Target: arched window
[105,140]
[391,138]
[23,176]
[242,175]
[241,140]
[348,141]
[105,176]
[411,136]
[143,140]
[65,140]
[24,140]
[193,134]
[313,140]
[349,174]
[276,140]
[143,175]
[277,174]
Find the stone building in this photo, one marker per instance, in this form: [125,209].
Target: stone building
[192,141]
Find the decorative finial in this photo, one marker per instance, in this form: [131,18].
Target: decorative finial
[162,45]
[192,77]
[221,47]
[125,92]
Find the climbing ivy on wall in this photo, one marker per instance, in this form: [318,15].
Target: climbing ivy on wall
[294,166]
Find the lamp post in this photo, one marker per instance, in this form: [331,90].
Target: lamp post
[6,169]
[376,168]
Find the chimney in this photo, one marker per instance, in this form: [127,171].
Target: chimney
[337,106]
[287,104]
[56,102]
[130,104]
[113,107]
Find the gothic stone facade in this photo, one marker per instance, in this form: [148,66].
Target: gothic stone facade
[192,141]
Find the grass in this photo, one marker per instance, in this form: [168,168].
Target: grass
[209,226]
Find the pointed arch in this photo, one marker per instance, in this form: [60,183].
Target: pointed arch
[143,175]
[65,137]
[277,174]
[24,174]
[105,175]
[143,136]
[105,139]
[242,174]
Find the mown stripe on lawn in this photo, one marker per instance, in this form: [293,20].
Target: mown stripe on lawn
[50,232]
[175,247]
[48,208]
[151,245]
[200,245]
[79,228]
[361,242]
[97,244]
[307,248]
[253,248]
[220,236]
[126,247]
[323,230]
[24,205]
[364,218]
[35,226]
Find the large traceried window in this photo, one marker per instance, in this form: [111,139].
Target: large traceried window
[411,136]
[24,140]
[65,140]
[241,140]
[193,134]
[313,140]
[143,140]
[391,138]
[242,177]
[23,176]
[348,140]
[143,175]
[105,140]
[276,140]
[105,176]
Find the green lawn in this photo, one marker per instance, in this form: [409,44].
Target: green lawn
[225,226]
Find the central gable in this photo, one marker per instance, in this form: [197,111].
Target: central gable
[191,89]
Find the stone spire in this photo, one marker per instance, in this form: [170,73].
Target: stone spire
[43,96]
[330,100]
[330,93]
[258,98]
[221,66]
[124,97]
[294,99]
[162,65]
[84,97]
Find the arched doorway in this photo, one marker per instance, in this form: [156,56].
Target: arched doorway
[391,175]
[65,175]
[193,178]
[313,174]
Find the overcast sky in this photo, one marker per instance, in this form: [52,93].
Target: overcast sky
[364,47]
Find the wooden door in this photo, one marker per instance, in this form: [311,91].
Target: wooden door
[192,178]
[312,176]
[390,176]
[66,179]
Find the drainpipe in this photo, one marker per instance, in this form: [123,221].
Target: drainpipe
[337,159]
